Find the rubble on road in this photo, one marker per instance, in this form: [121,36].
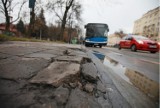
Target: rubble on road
[80,99]
[89,72]
[55,77]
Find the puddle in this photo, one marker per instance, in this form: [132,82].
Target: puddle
[99,55]
[139,80]
[117,68]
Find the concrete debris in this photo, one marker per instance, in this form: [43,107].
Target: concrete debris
[89,72]
[66,52]
[73,85]
[61,95]
[75,59]
[89,87]
[101,87]
[55,75]
[80,99]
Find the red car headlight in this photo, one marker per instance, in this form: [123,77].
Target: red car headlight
[140,42]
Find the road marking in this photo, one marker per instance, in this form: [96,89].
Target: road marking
[137,58]
[149,61]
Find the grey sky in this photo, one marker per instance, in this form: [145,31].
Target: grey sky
[118,14]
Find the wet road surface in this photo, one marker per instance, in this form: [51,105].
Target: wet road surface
[145,63]
[140,69]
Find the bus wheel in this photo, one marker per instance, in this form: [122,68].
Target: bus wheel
[86,45]
[100,46]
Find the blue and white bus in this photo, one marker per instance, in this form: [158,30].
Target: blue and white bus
[96,34]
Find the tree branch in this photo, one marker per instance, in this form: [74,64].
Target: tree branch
[1,8]
[5,2]
[15,5]
[2,12]
[19,11]
[69,16]
[57,14]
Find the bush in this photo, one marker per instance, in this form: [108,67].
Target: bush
[3,38]
[14,38]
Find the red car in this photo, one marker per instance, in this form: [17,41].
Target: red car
[136,42]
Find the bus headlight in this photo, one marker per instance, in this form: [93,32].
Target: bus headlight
[87,40]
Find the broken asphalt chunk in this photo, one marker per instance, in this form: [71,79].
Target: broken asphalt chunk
[57,73]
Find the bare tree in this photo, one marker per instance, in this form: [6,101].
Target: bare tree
[6,7]
[64,9]
[120,33]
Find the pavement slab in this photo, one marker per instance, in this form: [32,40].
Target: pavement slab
[19,68]
[61,95]
[4,56]
[55,51]
[57,73]
[80,99]
[41,55]
[17,100]
[19,50]
[75,59]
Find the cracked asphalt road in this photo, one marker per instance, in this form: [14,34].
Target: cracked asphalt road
[24,65]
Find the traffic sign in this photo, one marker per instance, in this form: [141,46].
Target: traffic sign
[32,3]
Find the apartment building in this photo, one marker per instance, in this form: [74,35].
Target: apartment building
[149,24]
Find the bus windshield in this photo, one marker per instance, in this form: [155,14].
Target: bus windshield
[99,30]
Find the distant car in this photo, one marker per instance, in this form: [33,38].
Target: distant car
[136,42]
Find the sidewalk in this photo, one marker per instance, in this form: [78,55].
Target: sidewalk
[47,75]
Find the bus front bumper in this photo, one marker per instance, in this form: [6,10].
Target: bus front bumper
[95,43]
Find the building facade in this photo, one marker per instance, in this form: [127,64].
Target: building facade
[12,29]
[113,39]
[149,25]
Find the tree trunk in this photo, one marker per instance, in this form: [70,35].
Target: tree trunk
[7,29]
[64,20]
[7,19]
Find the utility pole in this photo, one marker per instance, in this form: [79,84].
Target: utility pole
[70,29]
[40,35]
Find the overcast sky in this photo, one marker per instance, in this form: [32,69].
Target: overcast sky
[118,14]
